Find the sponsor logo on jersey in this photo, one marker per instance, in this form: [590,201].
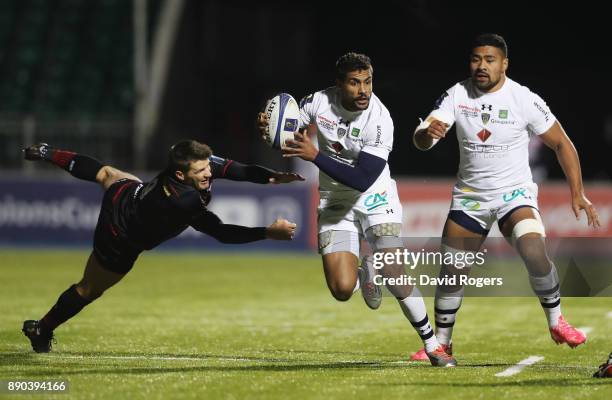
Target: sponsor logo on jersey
[470,204]
[485,119]
[376,200]
[355,132]
[290,125]
[378,135]
[502,122]
[485,148]
[515,193]
[467,111]
[326,123]
[341,132]
[503,114]
[484,134]
[486,107]
[542,110]
[337,147]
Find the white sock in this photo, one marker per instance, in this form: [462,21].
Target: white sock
[446,307]
[547,289]
[414,309]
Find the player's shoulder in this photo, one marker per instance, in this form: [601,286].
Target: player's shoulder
[216,160]
[181,195]
[378,111]
[316,99]
[458,90]
[463,88]
[523,95]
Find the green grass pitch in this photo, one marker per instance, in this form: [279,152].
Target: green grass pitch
[235,326]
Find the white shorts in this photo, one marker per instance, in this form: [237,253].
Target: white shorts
[484,208]
[344,219]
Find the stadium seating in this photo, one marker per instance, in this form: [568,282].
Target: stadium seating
[60,57]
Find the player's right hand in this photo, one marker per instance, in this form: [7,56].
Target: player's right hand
[437,129]
[262,124]
[281,229]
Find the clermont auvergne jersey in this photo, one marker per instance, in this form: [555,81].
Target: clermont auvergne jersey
[493,131]
[343,134]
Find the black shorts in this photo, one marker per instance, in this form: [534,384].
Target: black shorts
[112,249]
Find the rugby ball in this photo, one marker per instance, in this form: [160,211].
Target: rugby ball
[283,115]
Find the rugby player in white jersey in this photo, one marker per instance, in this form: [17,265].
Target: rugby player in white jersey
[358,198]
[495,118]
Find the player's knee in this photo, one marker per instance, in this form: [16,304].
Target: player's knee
[385,236]
[88,292]
[342,289]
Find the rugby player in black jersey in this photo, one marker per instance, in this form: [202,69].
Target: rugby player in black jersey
[137,216]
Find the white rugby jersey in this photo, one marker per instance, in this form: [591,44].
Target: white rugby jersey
[342,134]
[493,131]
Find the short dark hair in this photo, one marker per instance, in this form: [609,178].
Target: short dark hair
[182,153]
[491,39]
[351,62]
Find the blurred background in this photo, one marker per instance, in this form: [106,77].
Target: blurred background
[124,79]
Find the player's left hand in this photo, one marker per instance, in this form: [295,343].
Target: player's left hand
[286,177]
[301,147]
[281,229]
[580,202]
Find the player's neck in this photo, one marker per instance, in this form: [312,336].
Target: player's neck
[497,87]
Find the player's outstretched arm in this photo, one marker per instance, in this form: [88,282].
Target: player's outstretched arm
[212,225]
[236,171]
[557,140]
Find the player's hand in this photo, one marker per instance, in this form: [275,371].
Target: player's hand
[286,177]
[580,202]
[437,129]
[281,229]
[262,124]
[301,147]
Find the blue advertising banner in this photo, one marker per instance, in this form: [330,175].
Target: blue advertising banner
[45,212]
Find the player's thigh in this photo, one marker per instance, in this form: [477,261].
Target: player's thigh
[109,175]
[457,236]
[96,278]
[458,240]
[340,253]
[524,230]
[518,215]
[340,270]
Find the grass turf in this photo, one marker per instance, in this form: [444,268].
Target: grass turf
[198,325]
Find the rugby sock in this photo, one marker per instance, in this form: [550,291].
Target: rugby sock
[414,309]
[547,289]
[80,166]
[446,306]
[68,305]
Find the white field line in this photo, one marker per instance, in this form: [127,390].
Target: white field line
[585,329]
[154,358]
[609,315]
[515,369]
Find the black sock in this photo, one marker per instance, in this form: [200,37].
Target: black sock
[68,305]
[80,166]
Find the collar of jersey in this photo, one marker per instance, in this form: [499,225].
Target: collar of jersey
[481,93]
